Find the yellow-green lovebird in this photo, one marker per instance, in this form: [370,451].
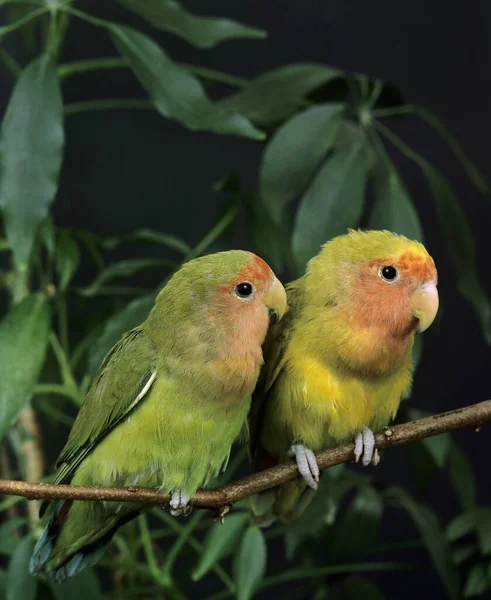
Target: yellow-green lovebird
[339,363]
[167,403]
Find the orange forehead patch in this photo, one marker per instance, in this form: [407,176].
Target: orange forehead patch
[417,264]
[255,269]
[411,263]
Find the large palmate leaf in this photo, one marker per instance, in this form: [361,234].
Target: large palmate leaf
[203,32]
[333,202]
[277,94]
[293,154]
[393,208]
[176,93]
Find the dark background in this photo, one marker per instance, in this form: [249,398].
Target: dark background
[125,170]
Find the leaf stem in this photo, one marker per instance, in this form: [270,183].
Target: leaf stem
[10,62]
[474,174]
[215,233]
[147,544]
[295,575]
[64,365]
[91,64]
[179,544]
[114,62]
[29,17]
[63,324]
[76,108]
[369,567]
[58,389]
[196,545]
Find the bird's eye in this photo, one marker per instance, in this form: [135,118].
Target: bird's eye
[389,273]
[244,289]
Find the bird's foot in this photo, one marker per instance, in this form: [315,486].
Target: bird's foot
[365,448]
[306,463]
[179,504]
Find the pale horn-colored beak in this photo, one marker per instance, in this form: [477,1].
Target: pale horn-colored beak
[275,300]
[425,305]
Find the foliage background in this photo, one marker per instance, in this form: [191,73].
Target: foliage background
[125,170]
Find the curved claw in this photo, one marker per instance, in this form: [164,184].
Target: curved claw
[306,463]
[365,448]
[179,504]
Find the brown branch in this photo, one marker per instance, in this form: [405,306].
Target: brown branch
[474,416]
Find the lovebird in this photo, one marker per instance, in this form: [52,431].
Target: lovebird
[166,405]
[339,363]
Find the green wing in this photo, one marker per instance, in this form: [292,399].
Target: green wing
[124,378]
[274,348]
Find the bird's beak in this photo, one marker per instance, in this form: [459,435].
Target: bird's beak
[425,305]
[275,300]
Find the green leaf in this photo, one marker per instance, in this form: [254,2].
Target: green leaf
[31,148]
[83,586]
[461,525]
[23,341]
[271,240]
[432,536]
[277,94]
[294,152]
[47,234]
[483,527]
[203,32]
[176,93]
[92,242]
[9,541]
[124,268]
[438,447]
[67,259]
[463,553]
[322,510]
[393,208]
[477,582]
[21,22]
[130,316]
[461,473]
[20,584]
[149,235]
[3,584]
[218,541]
[423,468]
[250,563]
[333,202]
[355,531]
[462,247]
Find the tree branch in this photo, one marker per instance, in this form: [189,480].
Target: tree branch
[474,416]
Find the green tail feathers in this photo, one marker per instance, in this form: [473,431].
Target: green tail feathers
[61,552]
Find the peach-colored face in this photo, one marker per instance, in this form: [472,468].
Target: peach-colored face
[398,293]
[243,306]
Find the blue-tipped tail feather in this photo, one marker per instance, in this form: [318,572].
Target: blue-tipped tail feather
[58,564]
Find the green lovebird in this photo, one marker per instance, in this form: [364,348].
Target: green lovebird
[166,405]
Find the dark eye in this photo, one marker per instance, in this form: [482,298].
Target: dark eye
[244,289]
[389,273]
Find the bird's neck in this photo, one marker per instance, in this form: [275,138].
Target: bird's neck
[369,350]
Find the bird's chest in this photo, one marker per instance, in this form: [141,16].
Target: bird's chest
[330,408]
